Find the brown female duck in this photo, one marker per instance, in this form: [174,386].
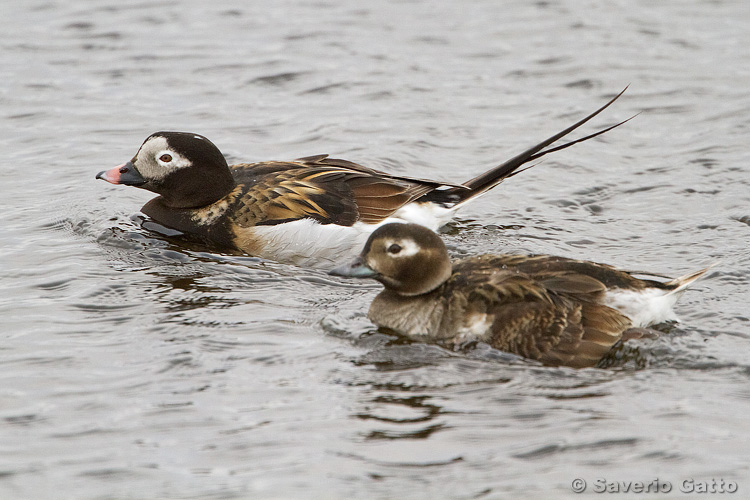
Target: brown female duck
[555,310]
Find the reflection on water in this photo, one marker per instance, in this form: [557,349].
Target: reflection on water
[136,363]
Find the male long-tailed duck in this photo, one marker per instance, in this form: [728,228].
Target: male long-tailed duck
[309,211]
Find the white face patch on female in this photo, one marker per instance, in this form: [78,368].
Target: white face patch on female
[155,160]
[401,248]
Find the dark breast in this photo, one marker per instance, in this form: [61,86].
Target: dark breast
[211,224]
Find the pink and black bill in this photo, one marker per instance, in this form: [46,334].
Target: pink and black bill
[123,174]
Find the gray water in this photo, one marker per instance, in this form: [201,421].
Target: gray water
[133,365]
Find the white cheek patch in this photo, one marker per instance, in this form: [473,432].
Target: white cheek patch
[148,163]
[176,163]
[408,248]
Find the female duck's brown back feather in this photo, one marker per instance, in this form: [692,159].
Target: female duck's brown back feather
[554,317]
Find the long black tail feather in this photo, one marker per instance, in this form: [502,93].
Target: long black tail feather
[509,168]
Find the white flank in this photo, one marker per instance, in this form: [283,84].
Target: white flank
[643,307]
[311,244]
[652,305]
[308,243]
[476,327]
[429,215]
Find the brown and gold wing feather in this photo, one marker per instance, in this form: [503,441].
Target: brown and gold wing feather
[327,190]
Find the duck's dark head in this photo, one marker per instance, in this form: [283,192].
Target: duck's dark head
[187,169]
[406,258]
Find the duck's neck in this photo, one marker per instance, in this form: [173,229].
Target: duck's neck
[197,194]
[417,316]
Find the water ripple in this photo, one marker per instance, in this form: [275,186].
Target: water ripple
[139,363]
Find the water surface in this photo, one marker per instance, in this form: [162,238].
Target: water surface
[134,365]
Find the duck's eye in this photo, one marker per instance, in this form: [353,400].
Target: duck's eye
[394,249]
[166,158]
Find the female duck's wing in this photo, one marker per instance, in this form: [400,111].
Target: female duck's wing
[556,319]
